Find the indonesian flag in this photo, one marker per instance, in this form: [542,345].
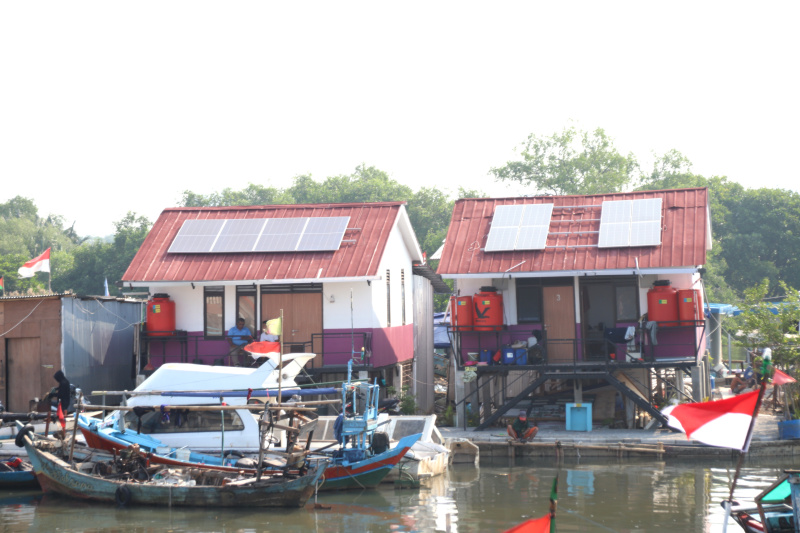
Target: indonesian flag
[778,378]
[263,348]
[37,264]
[724,423]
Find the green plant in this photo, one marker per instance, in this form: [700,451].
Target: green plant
[408,402]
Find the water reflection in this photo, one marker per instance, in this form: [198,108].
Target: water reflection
[615,495]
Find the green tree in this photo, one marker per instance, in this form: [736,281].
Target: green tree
[571,162]
[767,322]
[252,195]
[85,270]
[365,184]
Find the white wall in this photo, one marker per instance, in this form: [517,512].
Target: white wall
[337,314]
[395,258]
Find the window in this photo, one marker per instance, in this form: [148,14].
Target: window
[529,301]
[388,301]
[607,302]
[627,303]
[214,311]
[403,295]
[246,306]
[184,421]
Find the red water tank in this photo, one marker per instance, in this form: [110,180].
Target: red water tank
[690,306]
[487,310]
[461,312]
[662,302]
[160,319]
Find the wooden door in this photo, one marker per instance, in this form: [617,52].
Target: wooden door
[26,377]
[559,323]
[302,317]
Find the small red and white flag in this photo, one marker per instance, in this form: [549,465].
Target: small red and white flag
[724,423]
[782,378]
[37,264]
[263,348]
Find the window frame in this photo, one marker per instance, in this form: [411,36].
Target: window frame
[244,291]
[528,284]
[212,291]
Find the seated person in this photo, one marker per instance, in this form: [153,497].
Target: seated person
[519,429]
[239,336]
[740,384]
[265,335]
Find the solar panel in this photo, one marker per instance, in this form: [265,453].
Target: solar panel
[323,234]
[519,227]
[196,236]
[260,235]
[625,223]
[281,235]
[534,227]
[239,235]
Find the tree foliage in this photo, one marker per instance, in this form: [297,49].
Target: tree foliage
[769,322]
[571,162]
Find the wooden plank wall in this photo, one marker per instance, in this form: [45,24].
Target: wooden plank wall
[30,351]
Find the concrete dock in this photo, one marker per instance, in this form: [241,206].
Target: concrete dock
[553,440]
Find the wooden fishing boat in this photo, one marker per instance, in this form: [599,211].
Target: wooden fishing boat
[16,474]
[773,510]
[345,471]
[172,487]
[360,460]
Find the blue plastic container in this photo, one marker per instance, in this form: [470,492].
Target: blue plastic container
[486,357]
[521,356]
[509,355]
[579,417]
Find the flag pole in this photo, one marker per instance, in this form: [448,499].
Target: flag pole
[280,365]
[743,452]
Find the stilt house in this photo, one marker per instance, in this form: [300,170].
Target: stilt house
[565,301]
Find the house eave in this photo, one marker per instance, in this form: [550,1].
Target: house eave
[579,273]
[217,283]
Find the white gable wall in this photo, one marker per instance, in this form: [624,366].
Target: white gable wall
[395,258]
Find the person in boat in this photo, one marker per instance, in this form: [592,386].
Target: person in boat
[239,336]
[520,429]
[265,335]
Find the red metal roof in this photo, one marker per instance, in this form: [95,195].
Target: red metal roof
[358,256]
[684,236]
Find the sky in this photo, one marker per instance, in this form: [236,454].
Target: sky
[111,107]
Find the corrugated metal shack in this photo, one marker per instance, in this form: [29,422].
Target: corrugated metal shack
[90,338]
